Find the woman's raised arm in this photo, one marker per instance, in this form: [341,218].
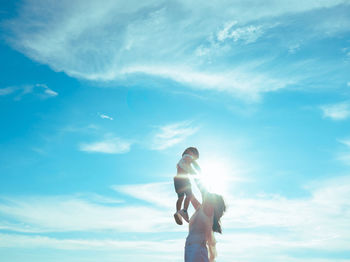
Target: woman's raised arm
[195,203]
[207,202]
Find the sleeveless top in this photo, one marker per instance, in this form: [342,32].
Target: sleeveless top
[183,165]
[201,232]
[187,167]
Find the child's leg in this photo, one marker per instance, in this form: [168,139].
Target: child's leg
[188,193]
[187,202]
[179,202]
[183,212]
[177,215]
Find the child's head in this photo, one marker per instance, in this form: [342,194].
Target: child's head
[191,151]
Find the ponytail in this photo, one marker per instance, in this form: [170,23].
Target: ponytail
[217,225]
[219,210]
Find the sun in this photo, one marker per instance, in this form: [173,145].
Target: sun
[215,175]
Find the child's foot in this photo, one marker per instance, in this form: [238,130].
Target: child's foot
[184,214]
[178,218]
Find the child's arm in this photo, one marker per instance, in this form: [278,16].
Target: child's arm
[185,164]
[196,166]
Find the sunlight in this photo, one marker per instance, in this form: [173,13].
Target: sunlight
[215,175]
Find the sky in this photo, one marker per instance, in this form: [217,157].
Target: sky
[98,100]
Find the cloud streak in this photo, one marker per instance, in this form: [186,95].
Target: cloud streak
[72,213]
[272,226]
[248,34]
[161,194]
[40,90]
[113,145]
[339,111]
[116,41]
[103,116]
[236,82]
[172,134]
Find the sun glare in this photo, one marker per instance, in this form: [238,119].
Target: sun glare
[215,176]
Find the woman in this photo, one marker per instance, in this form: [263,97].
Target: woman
[200,242]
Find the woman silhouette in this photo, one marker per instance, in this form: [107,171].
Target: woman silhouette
[200,242]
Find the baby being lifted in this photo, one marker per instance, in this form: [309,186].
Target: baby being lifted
[182,182]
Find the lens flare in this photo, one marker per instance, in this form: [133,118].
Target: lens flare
[215,176]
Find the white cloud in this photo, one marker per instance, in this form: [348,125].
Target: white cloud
[273,226]
[50,92]
[348,83]
[40,90]
[172,134]
[103,116]
[46,92]
[344,156]
[74,213]
[8,90]
[161,194]
[338,111]
[345,142]
[269,226]
[99,199]
[38,241]
[318,221]
[113,145]
[247,34]
[103,41]
[236,82]
[225,32]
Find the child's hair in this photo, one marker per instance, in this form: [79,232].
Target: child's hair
[219,209]
[193,150]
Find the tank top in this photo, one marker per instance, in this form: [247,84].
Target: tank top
[183,165]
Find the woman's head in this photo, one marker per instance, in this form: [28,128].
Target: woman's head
[219,209]
[192,151]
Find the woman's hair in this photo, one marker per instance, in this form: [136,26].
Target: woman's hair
[219,209]
[193,150]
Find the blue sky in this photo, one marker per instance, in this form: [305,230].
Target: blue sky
[98,101]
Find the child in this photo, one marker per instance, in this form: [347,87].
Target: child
[182,182]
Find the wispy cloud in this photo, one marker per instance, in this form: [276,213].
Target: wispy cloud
[45,91]
[41,90]
[126,45]
[225,31]
[344,155]
[172,134]
[103,116]
[8,90]
[247,34]
[161,194]
[271,225]
[236,82]
[113,145]
[339,111]
[274,226]
[75,213]
[38,241]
